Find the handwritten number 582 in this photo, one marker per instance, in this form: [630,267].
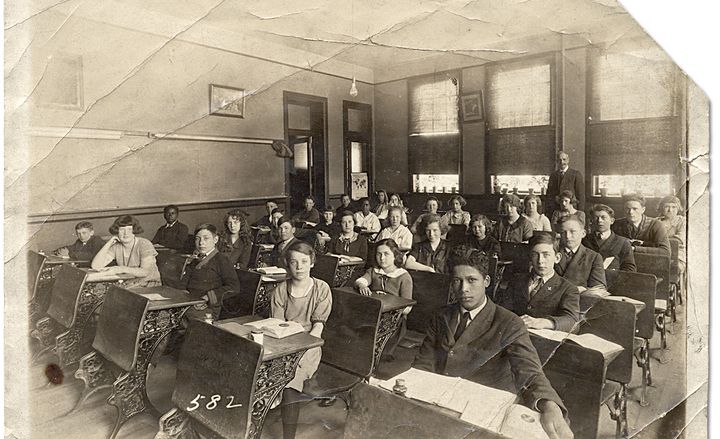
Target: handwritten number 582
[212,404]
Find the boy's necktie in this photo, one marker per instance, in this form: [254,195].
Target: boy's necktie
[464,319]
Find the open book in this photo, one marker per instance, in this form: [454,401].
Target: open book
[272,271]
[276,328]
[346,258]
[477,404]
[608,349]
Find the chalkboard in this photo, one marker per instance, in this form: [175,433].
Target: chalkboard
[165,171]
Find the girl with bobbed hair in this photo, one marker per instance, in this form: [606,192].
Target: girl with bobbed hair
[431,253]
[234,241]
[455,213]
[533,212]
[480,236]
[513,227]
[133,254]
[567,202]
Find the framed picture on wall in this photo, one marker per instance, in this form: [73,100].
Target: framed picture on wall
[471,106]
[227,101]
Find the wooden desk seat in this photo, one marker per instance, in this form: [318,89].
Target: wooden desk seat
[377,413]
[326,269]
[642,287]
[254,297]
[431,291]
[676,277]
[577,374]
[39,286]
[171,266]
[659,266]
[456,233]
[519,254]
[213,362]
[130,328]
[615,322]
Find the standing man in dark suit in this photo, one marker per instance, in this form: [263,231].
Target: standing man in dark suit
[578,264]
[542,298]
[562,179]
[482,342]
[602,240]
[641,230]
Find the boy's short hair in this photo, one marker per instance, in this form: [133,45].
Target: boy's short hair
[285,219]
[603,208]
[470,256]
[124,221]
[300,247]
[570,218]
[328,208]
[670,200]
[171,206]
[634,197]
[309,197]
[393,208]
[206,226]
[277,210]
[540,237]
[83,225]
[347,213]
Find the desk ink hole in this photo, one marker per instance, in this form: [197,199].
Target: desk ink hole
[54,374]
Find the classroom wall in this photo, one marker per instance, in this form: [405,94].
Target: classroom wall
[473,137]
[143,85]
[391,136]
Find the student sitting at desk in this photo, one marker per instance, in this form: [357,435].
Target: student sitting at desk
[388,277]
[349,242]
[396,231]
[309,214]
[173,234]
[209,275]
[431,208]
[365,219]
[286,237]
[85,247]
[542,298]
[567,201]
[234,242]
[345,205]
[455,213]
[642,230]
[512,227]
[480,237]
[396,201]
[308,301]
[266,220]
[533,213]
[381,209]
[578,264]
[674,225]
[482,342]
[327,229]
[132,254]
[431,253]
[602,240]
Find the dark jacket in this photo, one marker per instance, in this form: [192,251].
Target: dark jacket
[214,276]
[519,231]
[489,245]
[615,246]
[85,252]
[651,232]
[424,254]
[175,237]
[495,351]
[237,253]
[277,256]
[358,248]
[585,269]
[557,300]
[572,181]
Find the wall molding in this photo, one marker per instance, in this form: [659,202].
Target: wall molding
[42,218]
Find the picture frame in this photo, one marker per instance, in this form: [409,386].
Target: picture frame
[227,101]
[471,107]
[62,84]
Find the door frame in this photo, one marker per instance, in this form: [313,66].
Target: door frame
[361,137]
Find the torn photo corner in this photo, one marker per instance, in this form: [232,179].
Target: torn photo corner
[116,110]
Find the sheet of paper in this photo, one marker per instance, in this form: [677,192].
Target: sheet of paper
[154,296]
[522,423]
[485,406]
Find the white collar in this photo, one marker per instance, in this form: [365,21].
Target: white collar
[605,235]
[170,225]
[545,278]
[574,250]
[565,169]
[397,273]
[475,311]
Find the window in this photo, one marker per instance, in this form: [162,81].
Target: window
[436,183]
[520,184]
[638,84]
[434,132]
[519,95]
[647,185]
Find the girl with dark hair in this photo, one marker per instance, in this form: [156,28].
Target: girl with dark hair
[234,242]
[480,237]
[132,254]
[567,202]
[455,213]
[431,253]
[533,213]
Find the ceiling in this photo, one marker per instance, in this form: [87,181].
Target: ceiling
[376,40]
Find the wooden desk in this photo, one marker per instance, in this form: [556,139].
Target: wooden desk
[260,255]
[390,320]
[280,358]
[171,265]
[268,283]
[335,270]
[131,326]
[42,271]
[76,296]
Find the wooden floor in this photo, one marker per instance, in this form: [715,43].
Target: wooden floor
[95,419]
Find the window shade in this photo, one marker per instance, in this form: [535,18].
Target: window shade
[638,84]
[434,105]
[519,95]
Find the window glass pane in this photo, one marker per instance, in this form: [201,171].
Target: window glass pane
[647,185]
[436,183]
[520,184]
[434,106]
[357,157]
[356,120]
[298,117]
[632,85]
[300,156]
[519,96]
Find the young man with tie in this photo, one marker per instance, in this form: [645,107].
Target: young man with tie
[482,342]
[542,298]
[642,230]
[578,264]
[565,178]
[602,240]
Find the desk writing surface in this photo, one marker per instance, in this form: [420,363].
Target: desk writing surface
[173,297]
[56,260]
[104,276]
[391,302]
[274,347]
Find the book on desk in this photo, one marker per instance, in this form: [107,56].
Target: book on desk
[272,271]
[346,258]
[490,408]
[608,349]
[276,328]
